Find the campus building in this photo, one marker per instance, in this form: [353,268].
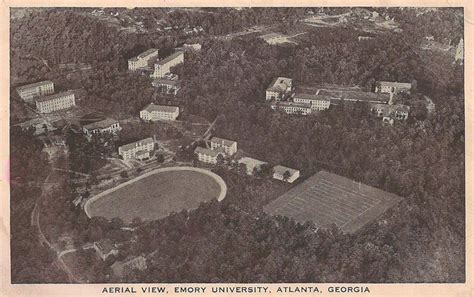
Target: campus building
[279,88]
[318,102]
[163,67]
[137,150]
[229,146]
[143,60]
[153,112]
[292,107]
[167,85]
[55,102]
[391,87]
[192,46]
[207,155]
[31,91]
[285,174]
[104,249]
[103,126]
[389,113]
[252,165]
[274,38]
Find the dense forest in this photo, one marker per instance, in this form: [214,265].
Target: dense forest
[422,159]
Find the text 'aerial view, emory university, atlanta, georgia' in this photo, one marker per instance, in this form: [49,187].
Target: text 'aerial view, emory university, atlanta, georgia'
[237,145]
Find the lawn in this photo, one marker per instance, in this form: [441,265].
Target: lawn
[156,196]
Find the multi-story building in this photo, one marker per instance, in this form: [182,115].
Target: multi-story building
[31,91]
[167,85]
[292,107]
[153,112]
[229,146]
[285,174]
[207,155]
[391,87]
[55,102]
[137,150]
[143,60]
[318,102]
[103,126]
[163,67]
[279,88]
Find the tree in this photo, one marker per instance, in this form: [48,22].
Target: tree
[286,175]
[124,174]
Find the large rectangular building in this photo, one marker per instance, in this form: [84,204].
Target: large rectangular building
[143,60]
[391,87]
[31,91]
[168,86]
[285,173]
[329,199]
[292,107]
[207,155]
[153,112]
[279,88]
[137,150]
[163,67]
[318,102]
[252,165]
[229,146]
[55,102]
[107,125]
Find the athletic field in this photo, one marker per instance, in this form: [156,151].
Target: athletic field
[326,198]
[156,195]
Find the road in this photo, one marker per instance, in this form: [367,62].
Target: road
[35,222]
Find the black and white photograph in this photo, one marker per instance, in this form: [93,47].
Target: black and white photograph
[237,145]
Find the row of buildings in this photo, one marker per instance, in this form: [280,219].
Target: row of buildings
[42,94]
[280,93]
[227,148]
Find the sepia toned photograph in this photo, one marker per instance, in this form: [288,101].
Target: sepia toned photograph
[239,145]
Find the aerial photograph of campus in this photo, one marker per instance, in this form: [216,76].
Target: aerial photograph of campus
[237,145]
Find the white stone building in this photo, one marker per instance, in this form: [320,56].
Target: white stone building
[251,164]
[143,60]
[279,88]
[103,126]
[137,150]
[163,67]
[153,112]
[168,86]
[229,146]
[391,87]
[279,173]
[292,107]
[55,102]
[318,102]
[207,155]
[31,91]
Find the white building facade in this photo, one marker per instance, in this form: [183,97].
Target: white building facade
[292,107]
[279,87]
[229,146]
[55,102]
[391,87]
[280,172]
[104,126]
[163,67]
[153,112]
[31,91]
[317,102]
[137,150]
[208,156]
[143,59]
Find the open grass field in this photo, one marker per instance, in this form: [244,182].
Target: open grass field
[156,195]
[327,198]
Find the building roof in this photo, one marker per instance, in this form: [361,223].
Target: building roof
[144,54]
[132,145]
[271,35]
[208,152]
[170,58]
[326,199]
[279,169]
[120,267]
[160,108]
[142,152]
[388,109]
[312,97]
[394,84]
[280,84]
[251,162]
[105,123]
[105,246]
[34,85]
[223,141]
[54,96]
[293,104]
